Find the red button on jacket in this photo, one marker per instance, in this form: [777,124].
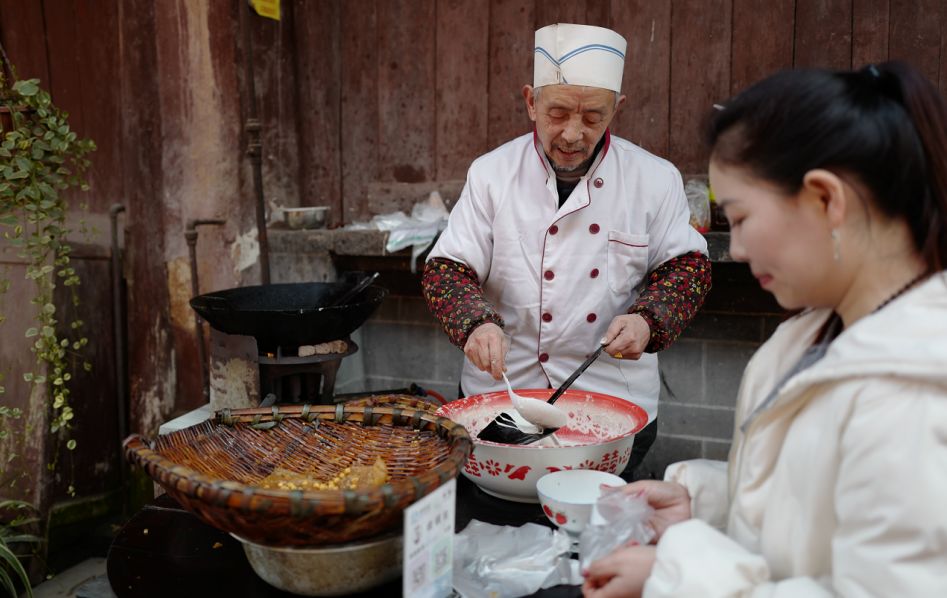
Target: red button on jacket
[591,318]
[549,275]
[547,317]
[594,273]
[543,357]
[553,229]
[594,228]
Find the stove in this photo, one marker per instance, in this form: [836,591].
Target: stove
[305,375]
[242,377]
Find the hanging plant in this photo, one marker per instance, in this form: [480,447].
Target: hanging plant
[40,159]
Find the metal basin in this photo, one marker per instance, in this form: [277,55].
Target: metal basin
[328,570]
[308,217]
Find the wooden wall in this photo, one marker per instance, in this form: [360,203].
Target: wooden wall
[413,90]
[356,93]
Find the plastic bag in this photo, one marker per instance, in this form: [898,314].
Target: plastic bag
[500,561]
[617,519]
[427,219]
[698,200]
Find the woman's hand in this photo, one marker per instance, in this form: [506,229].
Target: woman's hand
[627,337]
[622,573]
[486,348]
[671,503]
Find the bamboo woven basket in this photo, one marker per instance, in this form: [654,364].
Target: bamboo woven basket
[212,468]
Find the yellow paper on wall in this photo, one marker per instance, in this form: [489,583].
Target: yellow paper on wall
[266,8]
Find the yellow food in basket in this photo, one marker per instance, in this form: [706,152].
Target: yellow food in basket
[354,477]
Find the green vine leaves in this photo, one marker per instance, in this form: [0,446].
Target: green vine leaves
[40,158]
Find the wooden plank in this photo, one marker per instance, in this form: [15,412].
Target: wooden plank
[65,68]
[700,75]
[823,35]
[406,85]
[599,13]
[550,12]
[93,394]
[462,51]
[646,26]
[943,55]
[512,35]
[97,29]
[914,34]
[870,20]
[318,72]
[149,344]
[762,40]
[359,56]
[274,46]
[23,32]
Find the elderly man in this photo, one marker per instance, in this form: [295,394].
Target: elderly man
[568,237]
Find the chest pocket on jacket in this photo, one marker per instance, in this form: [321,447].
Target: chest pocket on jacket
[627,260]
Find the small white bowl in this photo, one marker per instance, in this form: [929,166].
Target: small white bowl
[568,496]
[306,218]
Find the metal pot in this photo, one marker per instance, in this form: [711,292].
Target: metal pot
[328,570]
[290,314]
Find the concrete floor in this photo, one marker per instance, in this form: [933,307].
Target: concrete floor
[85,580]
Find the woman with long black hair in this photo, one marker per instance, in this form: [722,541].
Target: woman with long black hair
[835,186]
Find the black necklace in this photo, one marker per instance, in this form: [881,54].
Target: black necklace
[902,290]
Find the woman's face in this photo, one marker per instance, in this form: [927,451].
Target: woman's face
[785,239]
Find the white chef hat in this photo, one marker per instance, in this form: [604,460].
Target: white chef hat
[578,55]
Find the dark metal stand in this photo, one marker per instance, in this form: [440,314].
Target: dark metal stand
[302,379]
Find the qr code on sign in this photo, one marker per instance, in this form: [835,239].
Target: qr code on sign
[418,572]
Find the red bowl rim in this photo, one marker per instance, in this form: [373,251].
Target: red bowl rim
[636,411]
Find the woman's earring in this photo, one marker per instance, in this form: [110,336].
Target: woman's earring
[836,254]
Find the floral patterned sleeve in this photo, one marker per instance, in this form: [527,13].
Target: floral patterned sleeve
[453,294]
[675,291]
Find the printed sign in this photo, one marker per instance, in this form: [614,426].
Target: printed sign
[429,544]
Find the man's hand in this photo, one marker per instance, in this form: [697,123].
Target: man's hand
[671,503]
[627,337]
[622,573]
[486,348]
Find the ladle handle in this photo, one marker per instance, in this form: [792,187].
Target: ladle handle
[354,291]
[565,385]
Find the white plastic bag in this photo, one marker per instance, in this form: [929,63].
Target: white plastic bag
[617,519]
[428,218]
[698,200]
[500,561]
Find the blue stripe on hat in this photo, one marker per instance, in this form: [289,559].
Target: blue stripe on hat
[588,48]
[547,55]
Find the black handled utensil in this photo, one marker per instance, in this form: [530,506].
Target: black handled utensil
[355,290]
[503,428]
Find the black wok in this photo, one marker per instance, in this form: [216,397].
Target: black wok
[288,315]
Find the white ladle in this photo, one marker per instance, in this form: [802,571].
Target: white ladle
[534,413]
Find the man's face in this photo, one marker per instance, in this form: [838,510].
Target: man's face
[570,121]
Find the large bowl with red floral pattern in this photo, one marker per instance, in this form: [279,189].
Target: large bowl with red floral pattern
[599,435]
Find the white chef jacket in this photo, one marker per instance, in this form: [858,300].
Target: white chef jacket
[558,276]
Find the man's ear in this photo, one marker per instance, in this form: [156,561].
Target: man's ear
[826,191]
[530,101]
